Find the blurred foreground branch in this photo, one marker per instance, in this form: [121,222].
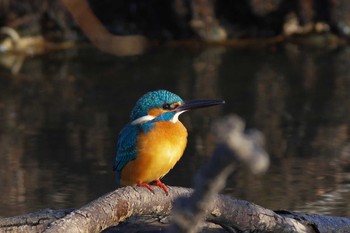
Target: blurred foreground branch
[234,145]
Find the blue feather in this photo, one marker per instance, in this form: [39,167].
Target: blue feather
[126,147]
[153,99]
[149,125]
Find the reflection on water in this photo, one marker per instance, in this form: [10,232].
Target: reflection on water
[61,114]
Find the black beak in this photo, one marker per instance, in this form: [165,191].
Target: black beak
[193,104]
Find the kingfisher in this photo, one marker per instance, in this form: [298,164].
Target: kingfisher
[154,140]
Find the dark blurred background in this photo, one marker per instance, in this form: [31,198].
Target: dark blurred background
[67,88]
[178,19]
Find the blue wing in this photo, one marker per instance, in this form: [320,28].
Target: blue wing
[126,147]
[126,150]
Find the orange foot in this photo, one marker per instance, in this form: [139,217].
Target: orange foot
[162,185]
[143,184]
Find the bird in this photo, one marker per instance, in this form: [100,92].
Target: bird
[154,140]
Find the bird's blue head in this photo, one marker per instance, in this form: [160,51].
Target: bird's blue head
[164,105]
[154,103]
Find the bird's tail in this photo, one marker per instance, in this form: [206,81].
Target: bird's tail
[118,177]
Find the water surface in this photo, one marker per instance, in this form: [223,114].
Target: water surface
[61,114]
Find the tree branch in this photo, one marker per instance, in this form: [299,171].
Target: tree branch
[117,206]
[99,36]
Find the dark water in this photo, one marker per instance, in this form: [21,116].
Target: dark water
[61,113]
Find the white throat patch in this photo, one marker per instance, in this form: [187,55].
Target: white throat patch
[142,119]
[146,118]
[176,116]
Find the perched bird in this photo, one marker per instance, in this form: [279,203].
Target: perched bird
[154,140]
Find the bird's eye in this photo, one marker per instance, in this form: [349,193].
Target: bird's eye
[167,107]
[172,106]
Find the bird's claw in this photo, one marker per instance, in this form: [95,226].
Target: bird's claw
[143,184]
[158,183]
[163,186]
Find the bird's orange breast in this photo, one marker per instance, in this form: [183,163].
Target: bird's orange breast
[157,152]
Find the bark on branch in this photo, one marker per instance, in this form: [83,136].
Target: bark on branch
[117,206]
